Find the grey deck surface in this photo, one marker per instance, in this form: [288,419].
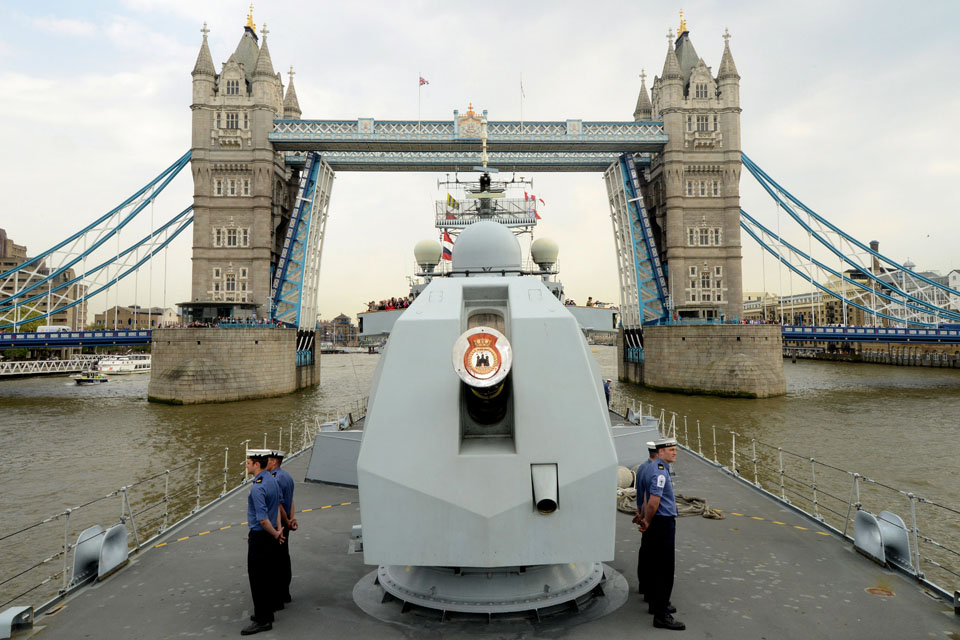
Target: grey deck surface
[736,578]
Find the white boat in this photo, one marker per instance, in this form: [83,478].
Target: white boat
[133,363]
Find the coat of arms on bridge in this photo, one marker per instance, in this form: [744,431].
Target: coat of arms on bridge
[470,124]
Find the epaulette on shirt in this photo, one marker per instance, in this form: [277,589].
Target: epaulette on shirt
[259,480]
[659,466]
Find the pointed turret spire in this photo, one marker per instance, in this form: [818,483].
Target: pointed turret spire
[727,68]
[264,63]
[671,66]
[644,110]
[291,106]
[204,64]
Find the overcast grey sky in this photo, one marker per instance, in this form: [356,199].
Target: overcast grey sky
[849,105]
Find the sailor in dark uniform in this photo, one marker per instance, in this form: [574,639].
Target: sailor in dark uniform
[287,519]
[264,541]
[643,565]
[658,521]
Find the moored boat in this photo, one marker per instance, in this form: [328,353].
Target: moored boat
[133,363]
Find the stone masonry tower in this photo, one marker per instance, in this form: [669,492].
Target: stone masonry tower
[692,189]
[243,191]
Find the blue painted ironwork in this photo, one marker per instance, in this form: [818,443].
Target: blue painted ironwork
[447,161]
[113,281]
[750,222]
[286,290]
[63,339]
[649,274]
[936,335]
[8,304]
[633,354]
[160,182]
[774,189]
[367,134]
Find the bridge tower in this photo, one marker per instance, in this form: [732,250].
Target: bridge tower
[692,189]
[243,192]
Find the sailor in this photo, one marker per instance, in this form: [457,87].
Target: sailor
[658,521]
[606,390]
[264,541]
[287,519]
[643,566]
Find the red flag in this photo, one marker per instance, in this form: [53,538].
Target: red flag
[542,202]
[525,197]
[537,214]
[447,238]
[423,81]
[447,250]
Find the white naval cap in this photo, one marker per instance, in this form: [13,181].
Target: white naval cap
[663,443]
[276,453]
[651,446]
[258,453]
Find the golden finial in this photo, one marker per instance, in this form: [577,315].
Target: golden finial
[250,19]
[683,25]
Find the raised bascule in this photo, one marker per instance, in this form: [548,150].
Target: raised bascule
[263,178]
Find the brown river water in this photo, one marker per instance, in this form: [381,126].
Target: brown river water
[66,445]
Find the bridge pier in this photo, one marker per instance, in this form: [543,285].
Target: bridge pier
[194,366]
[720,359]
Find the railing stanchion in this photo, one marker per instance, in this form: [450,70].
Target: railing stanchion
[733,452]
[715,458]
[756,478]
[166,499]
[686,436]
[916,533]
[66,550]
[133,521]
[854,491]
[280,440]
[783,495]
[264,439]
[199,460]
[813,471]
[699,443]
[226,466]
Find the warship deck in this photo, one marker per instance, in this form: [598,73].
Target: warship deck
[762,572]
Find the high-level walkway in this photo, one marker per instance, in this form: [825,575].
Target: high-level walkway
[763,572]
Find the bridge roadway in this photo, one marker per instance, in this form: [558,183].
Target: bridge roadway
[366,144]
[62,339]
[763,572]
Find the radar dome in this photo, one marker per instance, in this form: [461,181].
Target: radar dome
[427,252]
[486,245]
[544,251]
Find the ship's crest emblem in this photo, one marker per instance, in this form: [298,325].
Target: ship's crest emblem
[482,357]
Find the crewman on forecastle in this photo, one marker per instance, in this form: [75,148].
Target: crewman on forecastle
[263,542]
[643,565]
[658,521]
[287,519]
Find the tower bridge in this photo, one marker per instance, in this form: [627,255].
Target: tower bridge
[263,177]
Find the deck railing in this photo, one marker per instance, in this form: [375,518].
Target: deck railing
[827,493]
[148,507]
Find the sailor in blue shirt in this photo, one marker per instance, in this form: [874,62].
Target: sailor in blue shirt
[643,565]
[287,519]
[264,541]
[658,522]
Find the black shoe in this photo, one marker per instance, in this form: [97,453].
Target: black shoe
[287,599]
[668,622]
[670,609]
[255,627]
[278,606]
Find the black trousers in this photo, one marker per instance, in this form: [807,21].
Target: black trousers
[643,565]
[284,574]
[661,544]
[262,553]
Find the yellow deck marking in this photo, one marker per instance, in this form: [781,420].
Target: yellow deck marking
[796,526]
[226,527]
[183,538]
[306,510]
[733,513]
[756,517]
[203,533]
[244,523]
[327,507]
[821,533]
[162,544]
[777,522]
[343,504]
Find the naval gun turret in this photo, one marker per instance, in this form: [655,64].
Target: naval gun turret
[487,465]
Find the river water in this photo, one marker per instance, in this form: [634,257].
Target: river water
[65,444]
